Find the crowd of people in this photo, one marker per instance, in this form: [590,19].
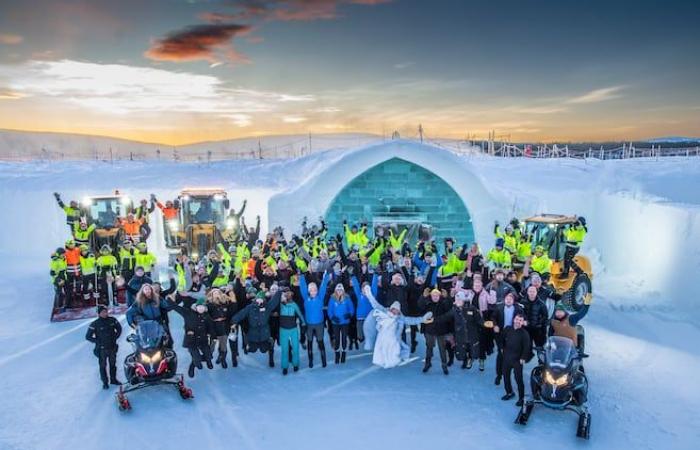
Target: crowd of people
[361,288]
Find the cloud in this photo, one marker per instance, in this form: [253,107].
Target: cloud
[550,109]
[199,42]
[10,39]
[6,94]
[121,89]
[404,65]
[598,95]
[294,119]
[240,120]
[285,10]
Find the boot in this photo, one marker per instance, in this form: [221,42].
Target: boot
[233,345]
[451,357]
[310,352]
[414,344]
[296,368]
[342,357]
[190,371]
[222,357]
[116,382]
[218,358]
[271,353]
[469,363]
[427,366]
[323,358]
[105,385]
[497,381]
[508,396]
[284,372]
[464,364]
[337,357]
[481,365]
[519,403]
[444,369]
[210,365]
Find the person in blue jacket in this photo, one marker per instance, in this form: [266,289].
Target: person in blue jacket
[289,331]
[340,312]
[313,308]
[148,306]
[134,284]
[364,307]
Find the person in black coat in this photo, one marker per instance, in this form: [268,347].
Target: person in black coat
[416,286]
[199,330]
[536,316]
[436,331]
[222,306]
[257,315]
[503,318]
[104,333]
[466,321]
[516,352]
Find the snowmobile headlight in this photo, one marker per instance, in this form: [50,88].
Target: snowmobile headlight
[156,357]
[561,381]
[145,358]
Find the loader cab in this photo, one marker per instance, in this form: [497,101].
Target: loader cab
[197,208]
[104,211]
[547,230]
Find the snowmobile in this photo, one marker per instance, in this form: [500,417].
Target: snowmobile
[203,222]
[152,363]
[547,230]
[559,382]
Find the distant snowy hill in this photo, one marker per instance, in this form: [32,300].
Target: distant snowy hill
[26,145]
[672,139]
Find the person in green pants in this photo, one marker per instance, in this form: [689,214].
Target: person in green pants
[289,332]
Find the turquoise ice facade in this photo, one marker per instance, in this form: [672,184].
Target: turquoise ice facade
[400,191]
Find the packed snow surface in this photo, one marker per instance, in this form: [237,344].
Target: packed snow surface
[642,331]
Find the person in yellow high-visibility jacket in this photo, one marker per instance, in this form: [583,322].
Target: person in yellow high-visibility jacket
[510,238]
[499,257]
[541,263]
[144,258]
[574,235]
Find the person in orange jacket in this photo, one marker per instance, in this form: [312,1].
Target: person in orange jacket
[73,284]
[171,212]
[131,227]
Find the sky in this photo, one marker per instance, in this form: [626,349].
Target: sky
[182,71]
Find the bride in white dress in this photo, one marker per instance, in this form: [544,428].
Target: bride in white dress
[389,349]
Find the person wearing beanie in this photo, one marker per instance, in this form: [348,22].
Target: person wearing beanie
[134,285]
[503,318]
[340,312]
[199,331]
[104,333]
[499,257]
[257,316]
[436,332]
[466,321]
[389,349]
[564,324]
[289,330]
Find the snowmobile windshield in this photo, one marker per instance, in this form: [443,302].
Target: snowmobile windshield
[559,352]
[149,334]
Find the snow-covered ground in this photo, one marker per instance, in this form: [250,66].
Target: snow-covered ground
[642,332]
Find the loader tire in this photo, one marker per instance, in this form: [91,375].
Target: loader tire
[573,298]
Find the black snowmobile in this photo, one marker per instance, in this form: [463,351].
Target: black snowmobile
[559,382]
[152,363]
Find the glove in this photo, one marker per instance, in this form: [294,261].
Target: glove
[426,292]
[55,194]
[338,237]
